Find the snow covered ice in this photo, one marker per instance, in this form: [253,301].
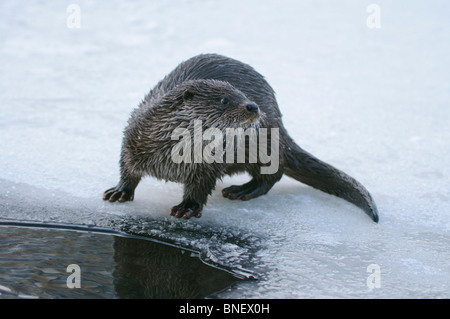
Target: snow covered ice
[372,102]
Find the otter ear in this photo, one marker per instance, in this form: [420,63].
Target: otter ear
[188,95]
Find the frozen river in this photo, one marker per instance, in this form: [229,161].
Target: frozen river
[374,102]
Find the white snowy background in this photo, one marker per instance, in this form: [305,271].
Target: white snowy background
[372,102]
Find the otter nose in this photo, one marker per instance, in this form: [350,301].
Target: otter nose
[252,108]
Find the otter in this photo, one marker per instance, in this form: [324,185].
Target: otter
[222,92]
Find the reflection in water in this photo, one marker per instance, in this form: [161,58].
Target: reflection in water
[33,263]
[152,270]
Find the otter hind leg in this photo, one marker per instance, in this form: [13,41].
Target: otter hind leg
[249,190]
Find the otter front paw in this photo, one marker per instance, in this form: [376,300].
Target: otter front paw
[187,209]
[118,193]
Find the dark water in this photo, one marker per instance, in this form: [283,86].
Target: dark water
[34,261]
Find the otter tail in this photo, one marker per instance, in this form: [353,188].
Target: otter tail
[309,170]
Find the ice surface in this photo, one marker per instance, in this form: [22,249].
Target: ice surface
[372,102]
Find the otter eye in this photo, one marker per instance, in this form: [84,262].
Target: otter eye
[224,101]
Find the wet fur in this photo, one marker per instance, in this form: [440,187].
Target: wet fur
[147,145]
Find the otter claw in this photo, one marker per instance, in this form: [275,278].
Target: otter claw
[197,213]
[113,195]
[186,210]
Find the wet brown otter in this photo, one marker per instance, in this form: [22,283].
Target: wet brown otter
[222,92]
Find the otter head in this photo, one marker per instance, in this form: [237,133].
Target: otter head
[219,104]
